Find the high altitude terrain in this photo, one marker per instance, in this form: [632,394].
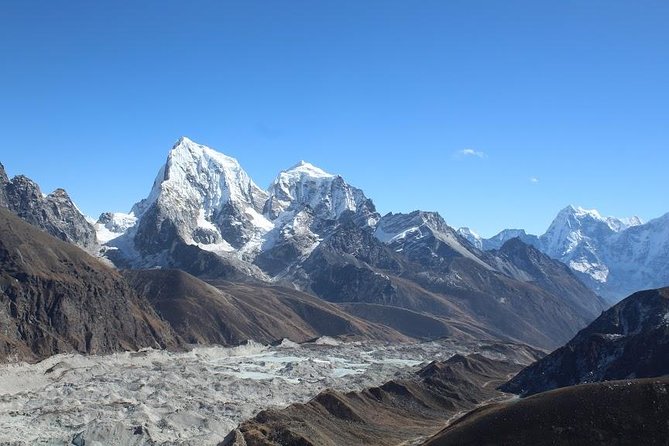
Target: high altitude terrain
[312,231]
[614,257]
[208,257]
[608,385]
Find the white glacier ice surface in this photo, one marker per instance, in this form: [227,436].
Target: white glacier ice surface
[195,397]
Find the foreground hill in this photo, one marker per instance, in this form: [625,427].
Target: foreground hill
[630,340]
[613,413]
[56,298]
[399,410]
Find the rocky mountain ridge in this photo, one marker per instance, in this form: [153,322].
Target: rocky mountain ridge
[630,340]
[314,231]
[613,256]
[54,213]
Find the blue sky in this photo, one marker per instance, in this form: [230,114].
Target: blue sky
[389,94]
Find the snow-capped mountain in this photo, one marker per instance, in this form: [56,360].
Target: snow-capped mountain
[328,196]
[574,226]
[313,231]
[497,241]
[407,233]
[471,236]
[304,204]
[203,198]
[200,197]
[613,256]
[207,197]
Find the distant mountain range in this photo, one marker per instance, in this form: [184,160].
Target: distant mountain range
[399,275]
[613,256]
[313,231]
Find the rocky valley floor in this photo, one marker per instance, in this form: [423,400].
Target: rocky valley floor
[197,397]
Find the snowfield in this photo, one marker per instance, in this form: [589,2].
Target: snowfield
[196,397]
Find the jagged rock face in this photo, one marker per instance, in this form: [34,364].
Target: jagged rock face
[55,213]
[630,340]
[350,265]
[327,195]
[429,270]
[55,298]
[528,264]
[4,180]
[306,204]
[424,237]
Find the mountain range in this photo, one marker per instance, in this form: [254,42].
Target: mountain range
[613,256]
[208,257]
[311,232]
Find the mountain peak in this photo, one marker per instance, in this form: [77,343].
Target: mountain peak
[3,175]
[578,211]
[614,223]
[305,185]
[208,198]
[186,150]
[305,169]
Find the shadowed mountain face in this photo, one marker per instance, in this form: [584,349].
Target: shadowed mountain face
[55,298]
[614,413]
[229,313]
[520,295]
[54,213]
[399,410]
[526,263]
[630,340]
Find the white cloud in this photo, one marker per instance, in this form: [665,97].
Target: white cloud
[472,152]
[534,180]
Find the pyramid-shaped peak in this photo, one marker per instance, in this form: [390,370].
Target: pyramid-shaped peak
[304,168]
[185,150]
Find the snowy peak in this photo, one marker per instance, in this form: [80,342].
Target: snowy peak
[497,241]
[305,169]
[217,177]
[574,226]
[205,197]
[307,186]
[471,236]
[578,216]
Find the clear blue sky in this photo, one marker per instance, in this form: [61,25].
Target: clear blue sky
[386,93]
